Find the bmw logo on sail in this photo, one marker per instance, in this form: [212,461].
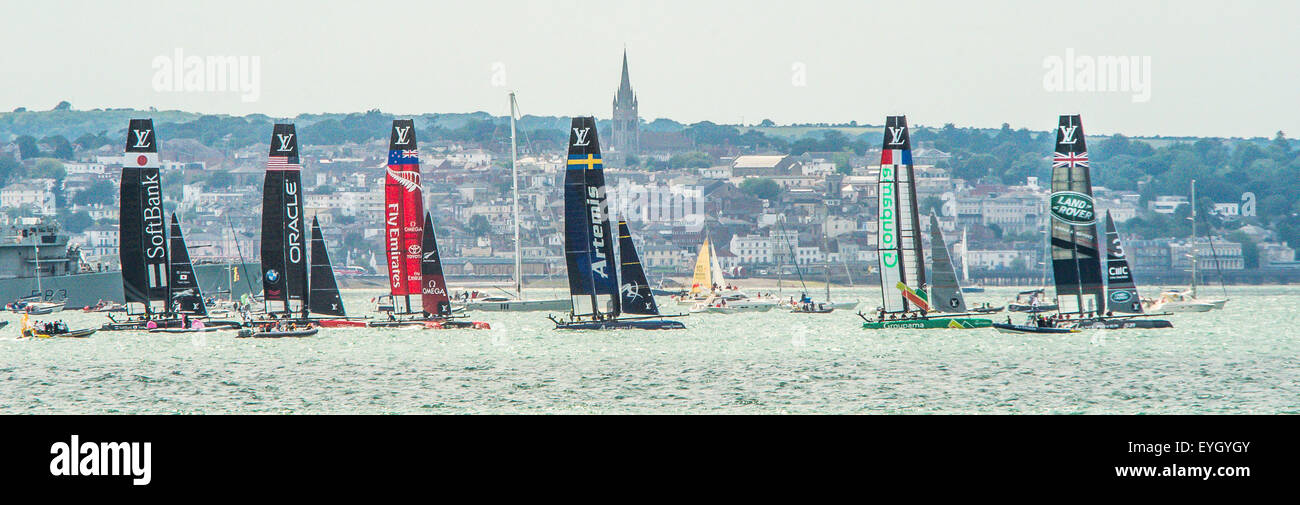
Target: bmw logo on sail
[272,275]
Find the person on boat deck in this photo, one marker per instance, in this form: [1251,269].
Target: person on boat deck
[185,321]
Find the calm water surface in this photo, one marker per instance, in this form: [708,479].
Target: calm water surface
[1239,360]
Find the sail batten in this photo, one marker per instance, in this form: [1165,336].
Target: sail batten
[945,291]
[898,237]
[1076,262]
[325,297]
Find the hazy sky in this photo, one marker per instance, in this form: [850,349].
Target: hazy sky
[1216,68]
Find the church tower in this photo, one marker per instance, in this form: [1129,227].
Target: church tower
[626,138]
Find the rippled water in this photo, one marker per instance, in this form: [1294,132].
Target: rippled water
[1239,360]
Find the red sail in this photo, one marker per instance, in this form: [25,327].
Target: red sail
[403,210]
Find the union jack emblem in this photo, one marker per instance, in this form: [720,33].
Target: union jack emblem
[410,153]
[1070,160]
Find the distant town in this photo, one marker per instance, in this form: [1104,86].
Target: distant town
[768,196]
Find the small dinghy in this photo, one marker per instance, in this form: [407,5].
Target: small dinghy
[51,330]
[82,333]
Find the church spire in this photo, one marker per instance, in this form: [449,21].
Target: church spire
[626,134]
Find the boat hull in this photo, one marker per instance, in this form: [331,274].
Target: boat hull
[617,324]
[1122,324]
[340,323]
[556,305]
[733,308]
[29,333]
[248,333]
[1022,329]
[934,323]
[87,289]
[1042,307]
[1183,307]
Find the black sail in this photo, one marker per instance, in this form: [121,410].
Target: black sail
[634,291]
[1076,262]
[433,290]
[142,226]
[588,238]
[186,297]
[1121,291]
[325,297]
[284,258]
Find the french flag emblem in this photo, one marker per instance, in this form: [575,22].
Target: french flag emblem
[896,157]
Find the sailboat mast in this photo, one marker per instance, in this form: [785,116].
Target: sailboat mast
[36,245]
[514,172]
[1194,259]
[965,252]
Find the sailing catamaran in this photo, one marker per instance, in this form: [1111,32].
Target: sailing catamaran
[594,265]
[412,249]
[158,279]
[898,244]
[1076,260]
[285,268]
[518,303]
[142,228]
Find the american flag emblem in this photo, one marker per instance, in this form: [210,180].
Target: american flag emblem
[1071,160]
[281,163]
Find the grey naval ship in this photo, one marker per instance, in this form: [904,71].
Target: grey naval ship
[63,277]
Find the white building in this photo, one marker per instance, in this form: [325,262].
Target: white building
[28,195]
[751,249]
[1166,204]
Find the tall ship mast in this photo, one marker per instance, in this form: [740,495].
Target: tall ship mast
[514,200]
[903,283]
[518,303]
[589,242]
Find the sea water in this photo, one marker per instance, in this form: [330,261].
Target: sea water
[1241,360]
